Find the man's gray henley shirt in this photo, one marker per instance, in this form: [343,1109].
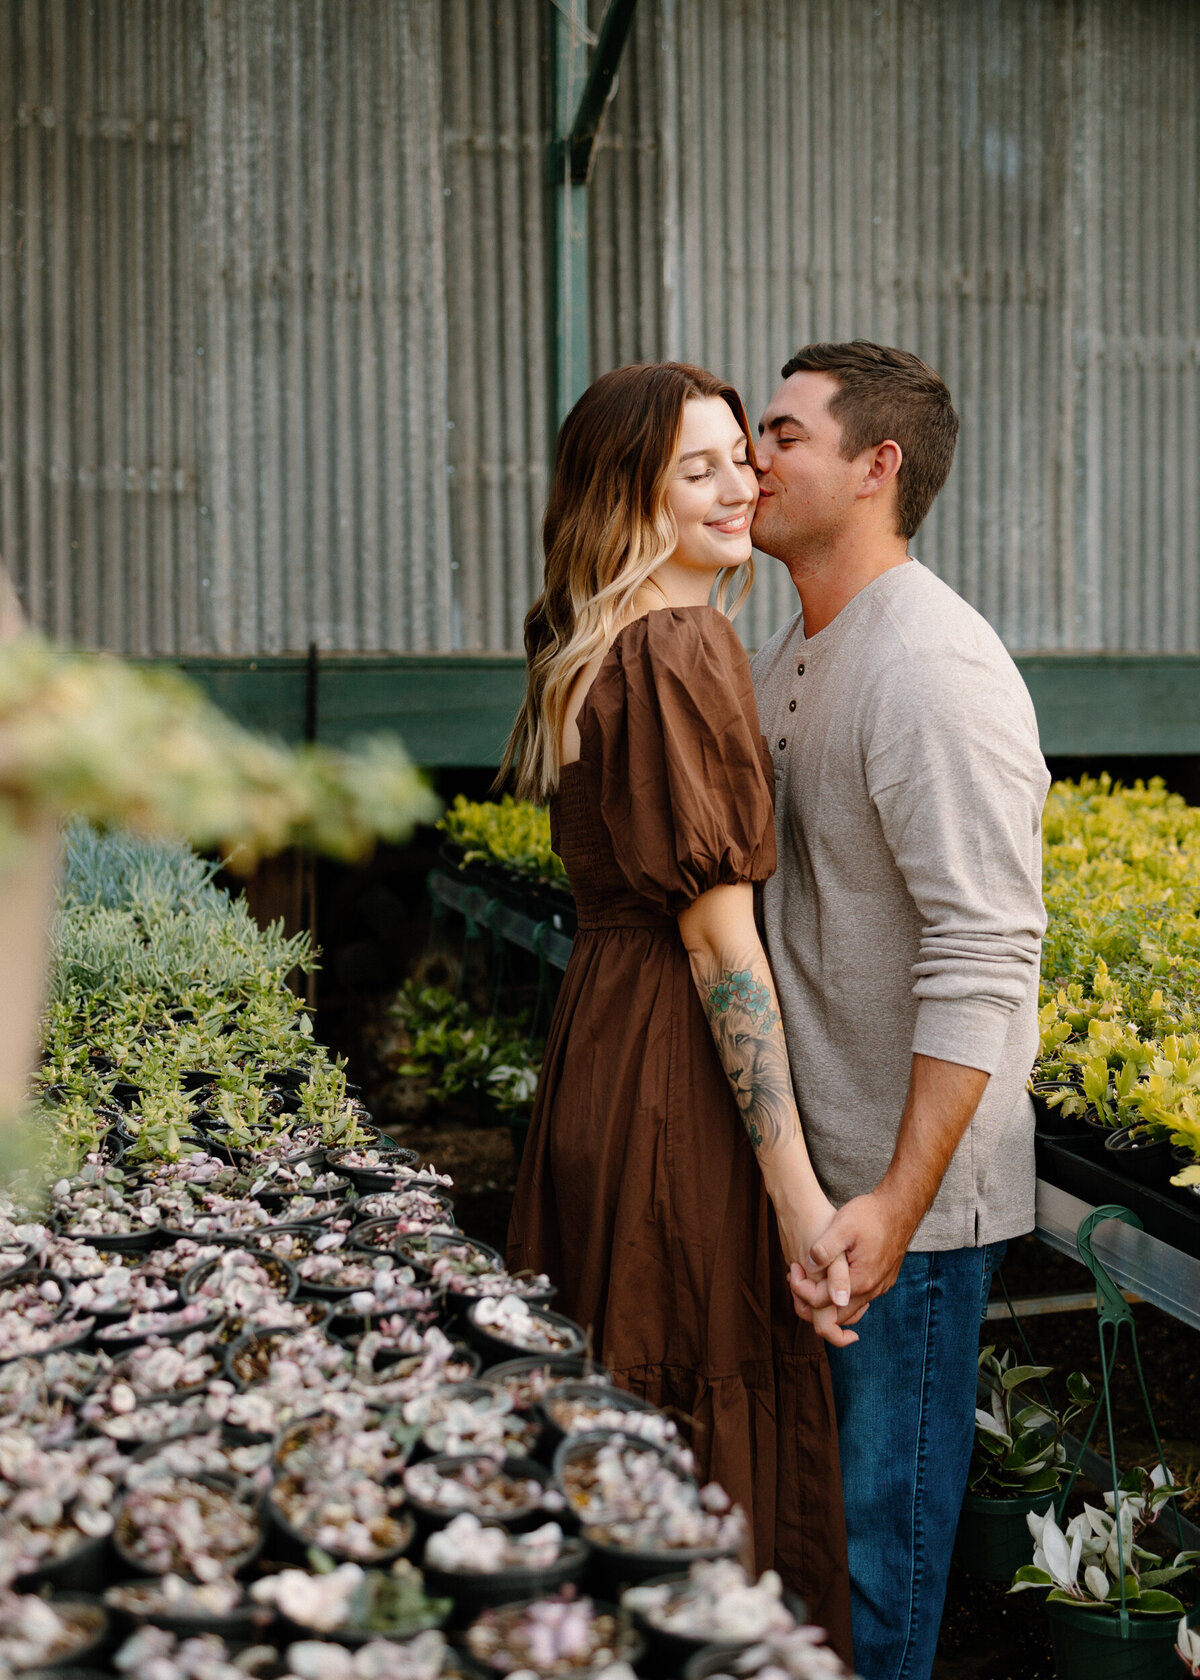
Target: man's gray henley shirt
[906,913]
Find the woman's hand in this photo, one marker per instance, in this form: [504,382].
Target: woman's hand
[799,1229]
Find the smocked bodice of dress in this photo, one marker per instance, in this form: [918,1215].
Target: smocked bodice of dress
[603,897]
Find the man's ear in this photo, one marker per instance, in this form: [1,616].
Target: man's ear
[883,465]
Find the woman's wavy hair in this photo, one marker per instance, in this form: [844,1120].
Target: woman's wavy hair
[606,530]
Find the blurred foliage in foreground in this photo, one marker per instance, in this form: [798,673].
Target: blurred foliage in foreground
[88,735]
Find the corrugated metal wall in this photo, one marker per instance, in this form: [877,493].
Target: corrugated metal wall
[274,344]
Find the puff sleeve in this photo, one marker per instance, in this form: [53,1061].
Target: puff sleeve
[686,782]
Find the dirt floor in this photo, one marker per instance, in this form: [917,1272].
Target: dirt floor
[986,1634]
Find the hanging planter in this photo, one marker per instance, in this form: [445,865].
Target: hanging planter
[1092,1645]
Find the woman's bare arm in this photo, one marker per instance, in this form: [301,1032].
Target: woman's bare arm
[737,993]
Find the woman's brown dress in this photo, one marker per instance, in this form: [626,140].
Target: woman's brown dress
[639,1192]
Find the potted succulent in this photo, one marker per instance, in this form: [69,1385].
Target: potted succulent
[560,1635]
[1018,1462]
[350,1604]
[514,1491]
[1109,1612]
[40,1633]
[476,1564]
[715,1603]
[526,1380]
[503,1325]
[56,1509]
[202,1527]
[587,1407]
[799,1655]
[338,1488]
[641,1513]
[189,1608]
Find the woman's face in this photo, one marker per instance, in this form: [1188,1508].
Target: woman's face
[713,490]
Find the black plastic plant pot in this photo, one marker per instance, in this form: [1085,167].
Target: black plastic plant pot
[420,1250]
[367,1179]
[993,1539]
[344,1324]
[1188,1194]
[669,1653]
[576,1448]
[285,1273]
[234,1563]
[111,1341]
[21,1267]
[1146,1160]
[106,1317]
[473,1592]
[603,1394]
[388,1358]
[184,1424]
[1092,1645]
[516,1519]
[249,1344]
[495,1349]
[121,1242]
[86,1568]
[366,1208]
[353,1638]
[613,1568]
[563,1368]
[95,1635]
[278,1201]
[242,1625]
[290,1545]
[1051,1121]
[378,1236]
[629,1647]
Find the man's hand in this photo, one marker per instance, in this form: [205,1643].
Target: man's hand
[873,1236]
[874,1231]
[798,1233]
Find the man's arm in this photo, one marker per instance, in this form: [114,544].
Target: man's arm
[954,771]
[874,1230]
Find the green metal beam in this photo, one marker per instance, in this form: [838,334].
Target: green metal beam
[602,73]
[581,90]
[456,709]
[569,204]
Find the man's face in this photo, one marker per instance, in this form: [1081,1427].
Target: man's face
[806,490]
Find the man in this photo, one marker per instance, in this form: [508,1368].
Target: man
[903,927]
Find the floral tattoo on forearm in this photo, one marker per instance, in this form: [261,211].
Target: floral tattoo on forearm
[749,1037]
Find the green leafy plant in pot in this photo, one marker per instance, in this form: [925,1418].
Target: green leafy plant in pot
[1110,1613]
[1018,1462]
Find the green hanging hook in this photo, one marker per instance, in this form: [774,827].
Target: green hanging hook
[1111,1305]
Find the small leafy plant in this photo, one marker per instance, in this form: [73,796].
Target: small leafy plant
[1099,1549]
[1018,1438]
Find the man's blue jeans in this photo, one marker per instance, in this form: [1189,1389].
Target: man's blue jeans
[905,1395]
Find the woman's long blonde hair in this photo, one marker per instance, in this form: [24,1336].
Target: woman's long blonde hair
[606,529]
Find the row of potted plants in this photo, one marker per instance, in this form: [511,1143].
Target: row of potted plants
[1119,1064]
[1093,1567]
[257,1388]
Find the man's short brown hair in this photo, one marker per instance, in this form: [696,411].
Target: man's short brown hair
[887,393]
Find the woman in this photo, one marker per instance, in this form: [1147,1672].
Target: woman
[640,1193]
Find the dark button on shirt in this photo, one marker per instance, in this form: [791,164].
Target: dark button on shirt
[791,705]
[782,742]
[800,669]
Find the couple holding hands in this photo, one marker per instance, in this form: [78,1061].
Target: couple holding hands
[805,1287]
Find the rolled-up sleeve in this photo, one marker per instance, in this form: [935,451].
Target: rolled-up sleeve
[956,774]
